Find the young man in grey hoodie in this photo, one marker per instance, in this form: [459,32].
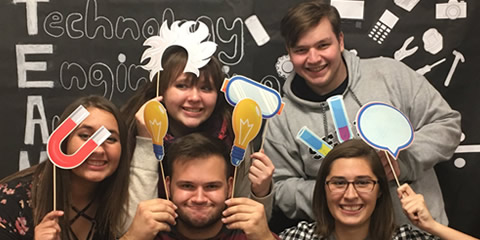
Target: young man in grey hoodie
[323,69]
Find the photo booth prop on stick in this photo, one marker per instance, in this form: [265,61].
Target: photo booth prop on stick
[385,128]
[191,36]
[62,160]
[256,101]
[156,121]
[246,123]
[309,138]
[239,87]
[340,118]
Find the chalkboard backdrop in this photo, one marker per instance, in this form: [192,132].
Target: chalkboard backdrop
[52,52]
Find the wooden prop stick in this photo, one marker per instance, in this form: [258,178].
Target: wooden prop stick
[391,167]
[164,182]
[54,188]
[234,180]
[158,83]
[264,133]
[161,164]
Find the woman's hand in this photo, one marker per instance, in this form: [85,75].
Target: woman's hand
[48,229]
[415,208]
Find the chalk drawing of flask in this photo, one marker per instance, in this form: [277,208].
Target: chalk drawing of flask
[54,151]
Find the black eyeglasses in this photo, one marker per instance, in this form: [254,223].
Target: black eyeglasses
[341,185]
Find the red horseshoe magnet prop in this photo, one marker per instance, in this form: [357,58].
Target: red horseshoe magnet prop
[55,154]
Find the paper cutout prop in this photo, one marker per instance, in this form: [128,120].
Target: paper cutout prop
[310,139]
[384,127]
[246,123]
[240,87]
[54,152]
[156,121]
[199,51]
[340,118]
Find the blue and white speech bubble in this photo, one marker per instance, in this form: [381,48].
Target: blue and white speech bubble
[384,127]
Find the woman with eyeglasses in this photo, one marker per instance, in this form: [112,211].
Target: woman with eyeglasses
[351,200]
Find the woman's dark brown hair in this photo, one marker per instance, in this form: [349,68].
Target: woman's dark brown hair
[382,224]
[173,62]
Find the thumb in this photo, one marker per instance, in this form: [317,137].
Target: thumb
[53,215]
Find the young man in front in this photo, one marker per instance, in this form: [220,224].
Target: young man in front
[200,206]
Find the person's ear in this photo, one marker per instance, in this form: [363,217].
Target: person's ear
[167,182]
[230,186]
[288,49]
[340,41]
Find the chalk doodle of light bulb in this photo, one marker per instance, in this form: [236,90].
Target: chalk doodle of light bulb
[54,151]
[465,148]
[156,121]
[240,87]
[384,127]
[246,123]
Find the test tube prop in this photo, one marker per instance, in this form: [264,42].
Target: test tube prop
[340,118]
[310,139]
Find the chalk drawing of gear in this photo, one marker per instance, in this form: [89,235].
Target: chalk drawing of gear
[284,66]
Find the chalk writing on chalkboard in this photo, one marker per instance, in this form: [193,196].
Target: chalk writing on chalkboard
[89,47]
[90,24]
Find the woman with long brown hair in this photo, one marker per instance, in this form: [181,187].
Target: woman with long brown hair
[90,198]
[351,201]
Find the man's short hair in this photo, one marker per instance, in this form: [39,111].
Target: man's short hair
[196,145]
[304,16]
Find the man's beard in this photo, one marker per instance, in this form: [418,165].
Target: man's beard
[195,223]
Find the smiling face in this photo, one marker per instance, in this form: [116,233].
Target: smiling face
[199,188]
[190,103]
[317,57]
[104,160]
[351,208]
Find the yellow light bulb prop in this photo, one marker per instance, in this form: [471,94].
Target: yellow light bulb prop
[156,120]
[246,122]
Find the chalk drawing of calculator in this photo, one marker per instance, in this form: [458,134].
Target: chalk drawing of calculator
[383,27]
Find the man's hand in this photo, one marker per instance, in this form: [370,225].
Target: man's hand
[386,166]
[141,128]
[260,174]
[152,216]
[249,216]
[48,228]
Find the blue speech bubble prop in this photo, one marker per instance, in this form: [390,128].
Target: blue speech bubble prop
[384,127]
[240,87]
